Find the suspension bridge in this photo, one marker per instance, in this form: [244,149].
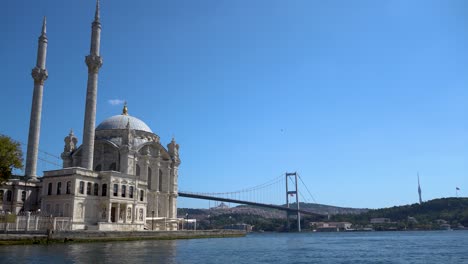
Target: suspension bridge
[262,195]
[274,194]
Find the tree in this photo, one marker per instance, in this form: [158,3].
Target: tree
[11,157]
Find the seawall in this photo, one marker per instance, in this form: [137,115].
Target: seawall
[100,236]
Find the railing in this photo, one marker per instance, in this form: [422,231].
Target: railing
[33,222]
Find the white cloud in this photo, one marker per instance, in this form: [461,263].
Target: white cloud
[115,101]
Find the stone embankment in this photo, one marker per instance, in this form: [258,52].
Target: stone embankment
[25,238]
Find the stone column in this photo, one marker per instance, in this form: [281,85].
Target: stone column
[109,215]
[94,63]
[39,74]
[157,204]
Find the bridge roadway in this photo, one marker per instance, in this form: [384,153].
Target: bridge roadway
[278,207]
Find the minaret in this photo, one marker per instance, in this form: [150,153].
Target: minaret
[94,62]
[39,74]
[419,191]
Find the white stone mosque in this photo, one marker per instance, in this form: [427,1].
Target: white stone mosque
[119,175]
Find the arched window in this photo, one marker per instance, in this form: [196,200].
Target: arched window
[149,177]
[142,195]
[96,189]
[160,180]
[104,190]
[23,196]
[116,189]
[113,167]
[130,192]
[59,188]
[88,188]
[137,170]
[8,196]
[124,190]
[98,168]
[68,187]
[49,189]
[81,190]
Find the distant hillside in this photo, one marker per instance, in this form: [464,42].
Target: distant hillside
[261,218]
[329,209]
[319,209]
[452,210]
[429,215]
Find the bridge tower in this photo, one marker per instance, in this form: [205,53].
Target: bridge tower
[293,192]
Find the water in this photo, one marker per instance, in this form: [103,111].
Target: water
[370,247]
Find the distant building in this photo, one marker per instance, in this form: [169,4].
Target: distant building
[419,191]
[380,220]
[330,226]
[221,206]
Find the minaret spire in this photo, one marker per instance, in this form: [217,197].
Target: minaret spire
[94,63]
[44,26]
[39,74]
[97,13]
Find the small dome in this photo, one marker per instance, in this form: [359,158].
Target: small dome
[121,121]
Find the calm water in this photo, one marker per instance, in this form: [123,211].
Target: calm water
[370,247]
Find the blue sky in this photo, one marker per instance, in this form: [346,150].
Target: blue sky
[357,96]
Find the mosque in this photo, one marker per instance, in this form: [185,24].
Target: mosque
[120,175]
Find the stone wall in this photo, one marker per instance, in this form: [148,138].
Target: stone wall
[142,235]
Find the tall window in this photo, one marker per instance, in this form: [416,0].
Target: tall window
[98,168]
[149,177]
[8,196]
[137,173]
[59,188]
[96,189]
[49,189]
[1,195]
[104,190]
[124,189]
[130,192]
[23,196]
[81,187]
[160,180]
[68,187]
[113,167]
[88,188]
[142,195]
[116,189]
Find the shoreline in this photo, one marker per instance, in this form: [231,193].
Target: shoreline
[82,236]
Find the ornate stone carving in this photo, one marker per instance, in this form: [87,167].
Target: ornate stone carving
[70,142]
[39,75]
[94,63]
[173,149]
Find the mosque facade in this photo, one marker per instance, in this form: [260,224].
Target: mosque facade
[117,179]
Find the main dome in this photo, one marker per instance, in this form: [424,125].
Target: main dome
[121,121]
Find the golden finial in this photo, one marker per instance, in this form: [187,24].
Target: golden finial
[125,109]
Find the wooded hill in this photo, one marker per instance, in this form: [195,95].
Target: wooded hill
[427,215]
